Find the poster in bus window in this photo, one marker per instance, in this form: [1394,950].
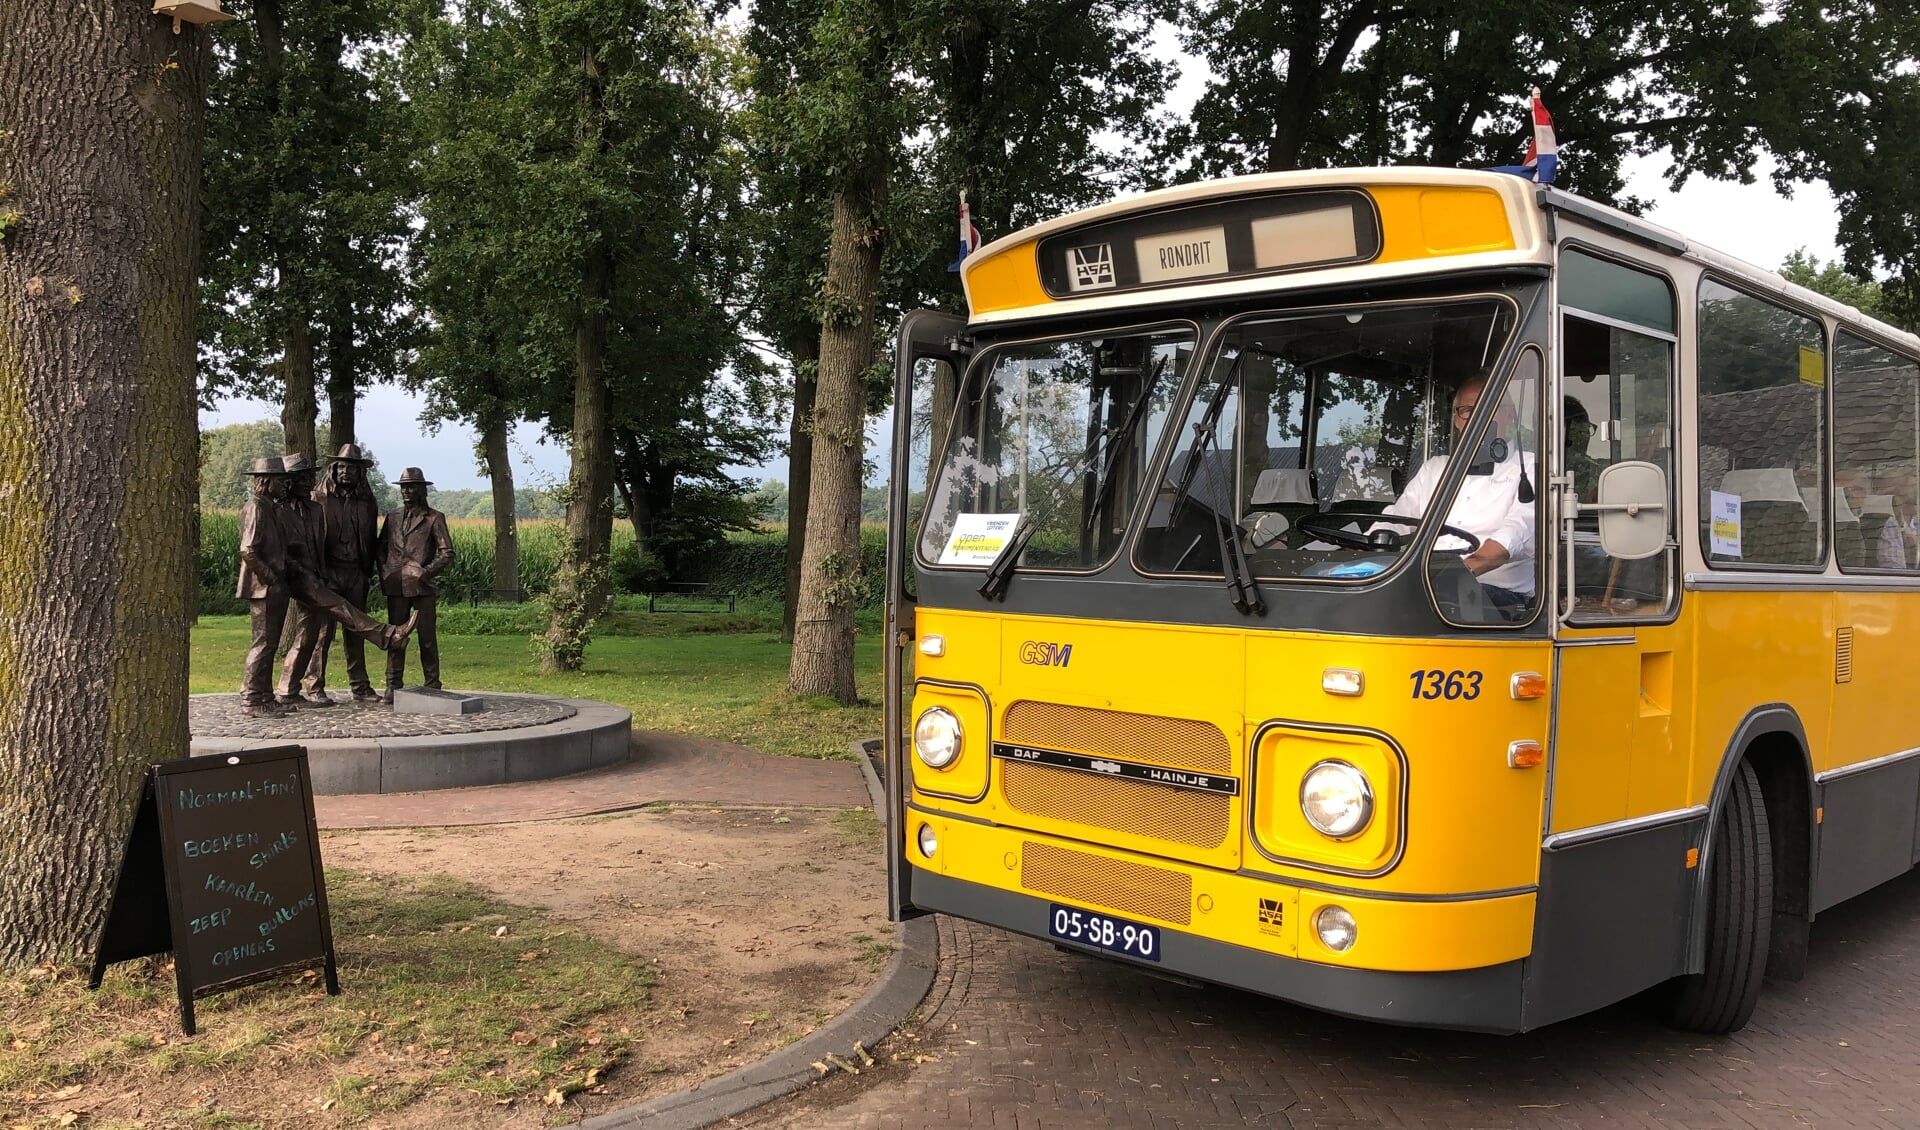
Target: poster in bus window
[977,539]
[1725,529]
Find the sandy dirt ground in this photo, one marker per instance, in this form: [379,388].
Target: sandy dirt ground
[760,925]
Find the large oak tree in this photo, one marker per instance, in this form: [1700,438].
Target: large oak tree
[102,116]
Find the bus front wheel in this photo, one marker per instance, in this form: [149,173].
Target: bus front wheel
[1720,998]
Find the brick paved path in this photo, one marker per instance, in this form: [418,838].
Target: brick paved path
[1027,1037]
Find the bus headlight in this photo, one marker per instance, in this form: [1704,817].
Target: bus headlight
[937,737]
[1336,799]
[1336,928]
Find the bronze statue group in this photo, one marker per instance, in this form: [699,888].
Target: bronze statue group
[314,549]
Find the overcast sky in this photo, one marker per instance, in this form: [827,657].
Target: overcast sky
[1751,222]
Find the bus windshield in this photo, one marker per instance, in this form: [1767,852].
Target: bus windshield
[1304,426]
[1054,435]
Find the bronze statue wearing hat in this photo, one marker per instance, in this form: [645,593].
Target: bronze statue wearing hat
[349,519]
[414,549]
[279,546]
[263,584]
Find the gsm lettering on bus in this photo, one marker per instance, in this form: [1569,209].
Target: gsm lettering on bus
[1046,654]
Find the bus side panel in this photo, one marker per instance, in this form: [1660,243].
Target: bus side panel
[1609,920]
[1754,648]
[1868,832]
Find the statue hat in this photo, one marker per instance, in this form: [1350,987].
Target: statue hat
[296,463]
[351,453]
[269,465]
[412,475]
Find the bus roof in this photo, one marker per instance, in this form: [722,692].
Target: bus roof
[1429,220]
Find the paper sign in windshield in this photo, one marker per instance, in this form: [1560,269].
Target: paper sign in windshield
[978,538]
[1724,533]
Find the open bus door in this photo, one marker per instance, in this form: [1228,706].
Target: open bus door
[927,365]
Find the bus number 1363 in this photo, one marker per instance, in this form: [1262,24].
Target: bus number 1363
[1446,684]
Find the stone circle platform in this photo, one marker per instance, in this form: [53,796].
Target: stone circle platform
[360,747]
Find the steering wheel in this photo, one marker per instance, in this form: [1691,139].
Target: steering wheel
[1322,525]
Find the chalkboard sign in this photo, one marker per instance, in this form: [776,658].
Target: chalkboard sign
[229,839]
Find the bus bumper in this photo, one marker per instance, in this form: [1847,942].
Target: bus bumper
[1247,931]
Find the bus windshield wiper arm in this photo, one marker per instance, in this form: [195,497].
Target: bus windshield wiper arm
[1115,448]
[1001,571]
[1203,430]
[1233,564]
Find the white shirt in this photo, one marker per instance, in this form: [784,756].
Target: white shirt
[1489,508]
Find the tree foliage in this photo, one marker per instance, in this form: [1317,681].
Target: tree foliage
[304,229]
[517,199]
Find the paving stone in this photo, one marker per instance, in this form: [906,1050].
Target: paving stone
[1106,1046]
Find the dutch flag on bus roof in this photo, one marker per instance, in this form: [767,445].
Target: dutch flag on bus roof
[969,235]
[1543,156]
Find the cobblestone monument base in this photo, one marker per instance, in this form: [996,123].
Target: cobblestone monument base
[360,747]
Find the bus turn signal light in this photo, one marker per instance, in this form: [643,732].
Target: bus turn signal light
[1527,685]
[1525,755]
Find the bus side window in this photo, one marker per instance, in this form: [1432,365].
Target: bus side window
[1762,403]
[1616,406]
[1876,459]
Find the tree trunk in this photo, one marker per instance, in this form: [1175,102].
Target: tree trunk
[99,239]
[506,540]
[343,382]
[830,580]
[632,481]
[580,587]
[581,583]
[299,411]
[806,361]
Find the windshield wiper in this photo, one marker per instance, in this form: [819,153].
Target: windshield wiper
[1115,448]
[1001,571]
[1233,564]
[1203,430]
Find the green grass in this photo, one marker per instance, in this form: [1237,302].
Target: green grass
[444,1001]
[709,675]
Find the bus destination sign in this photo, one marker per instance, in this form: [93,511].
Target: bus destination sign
[1258,236]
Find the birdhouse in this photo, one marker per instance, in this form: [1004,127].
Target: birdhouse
[190,12]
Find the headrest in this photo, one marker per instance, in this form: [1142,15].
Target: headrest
[1764,484]
[1880,504]
[1282,484]
[1841,511]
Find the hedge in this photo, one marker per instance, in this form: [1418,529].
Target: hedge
[754,565]
[751,565]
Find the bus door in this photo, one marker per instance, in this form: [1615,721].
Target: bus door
[1615,755]
[928,360]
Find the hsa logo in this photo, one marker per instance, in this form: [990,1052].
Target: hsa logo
[1046,654]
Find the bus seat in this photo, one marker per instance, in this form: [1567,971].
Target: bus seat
[1849,545]
[1886,547]
[1776,523]
[1284,490]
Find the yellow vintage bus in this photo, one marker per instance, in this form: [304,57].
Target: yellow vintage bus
[1417,594]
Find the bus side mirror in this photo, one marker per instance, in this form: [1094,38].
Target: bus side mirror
[1631,500]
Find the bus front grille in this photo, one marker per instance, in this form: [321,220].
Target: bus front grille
[1130,888]
[1181,743]
[1140,808]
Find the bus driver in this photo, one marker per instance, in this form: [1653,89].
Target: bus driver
[1495,503]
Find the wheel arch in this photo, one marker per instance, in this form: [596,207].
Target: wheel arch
[1774,740]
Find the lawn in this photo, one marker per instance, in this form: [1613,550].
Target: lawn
[721,677]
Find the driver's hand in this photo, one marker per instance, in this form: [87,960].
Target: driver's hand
[1490,555]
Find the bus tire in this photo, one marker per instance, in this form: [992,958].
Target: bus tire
[1720,998]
